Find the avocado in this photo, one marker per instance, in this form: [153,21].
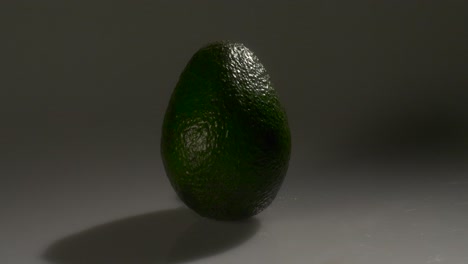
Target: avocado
[225,141]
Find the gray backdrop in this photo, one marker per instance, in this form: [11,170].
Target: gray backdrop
[375,93]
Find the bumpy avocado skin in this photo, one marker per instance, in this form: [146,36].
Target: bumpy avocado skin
[225,140]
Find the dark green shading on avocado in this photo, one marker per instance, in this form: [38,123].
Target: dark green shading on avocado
[225,139]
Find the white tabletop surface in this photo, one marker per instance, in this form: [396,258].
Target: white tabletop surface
[116,206]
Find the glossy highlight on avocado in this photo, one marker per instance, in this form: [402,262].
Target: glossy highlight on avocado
[225,139]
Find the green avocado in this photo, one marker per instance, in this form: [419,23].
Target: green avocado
[225,139]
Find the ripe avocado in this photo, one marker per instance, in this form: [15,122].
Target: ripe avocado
[225,139]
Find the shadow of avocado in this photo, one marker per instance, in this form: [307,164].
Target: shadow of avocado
[169,236]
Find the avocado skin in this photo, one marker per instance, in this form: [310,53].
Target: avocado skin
[225,139]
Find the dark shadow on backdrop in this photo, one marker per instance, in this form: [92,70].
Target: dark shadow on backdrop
[425,130]
[169,236]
